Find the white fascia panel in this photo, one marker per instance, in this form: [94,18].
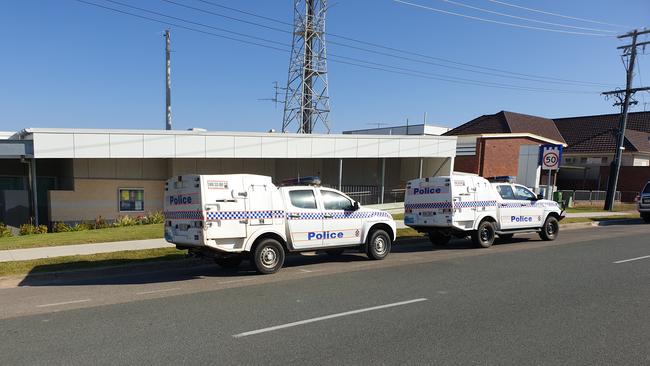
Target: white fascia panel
[126,146]
[190,146]
[274,147]
[91,145]
[220,146]
[248,147]
[54,145]
[429,147]
[367,147]
[446,148]
[323,147]
[299,147]
[159,146]
[388,148]
[345,148]
[409,148]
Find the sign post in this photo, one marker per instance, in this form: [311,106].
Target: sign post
[550,158]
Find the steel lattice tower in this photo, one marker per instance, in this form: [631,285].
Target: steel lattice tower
[307,104]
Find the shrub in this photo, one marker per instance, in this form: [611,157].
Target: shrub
[100,223]
[5,232]
[61,227]
[40,229]
[156,217]
[125,221]
[30,229]
[82,226]
[142,220]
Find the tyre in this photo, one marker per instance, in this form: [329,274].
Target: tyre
[550,229]
[335,252]
[438,238]
[646,217]
[229,262]
[268,256]
[484,235]
[506,236]
[379,245]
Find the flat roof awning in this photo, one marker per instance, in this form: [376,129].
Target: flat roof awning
[16,149]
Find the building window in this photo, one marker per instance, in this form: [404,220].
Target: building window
[131,200]
[568,160]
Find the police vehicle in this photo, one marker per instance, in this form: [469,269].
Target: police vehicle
[465,204]
[242,216]
[643,204]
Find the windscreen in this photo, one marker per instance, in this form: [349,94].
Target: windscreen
[647,188]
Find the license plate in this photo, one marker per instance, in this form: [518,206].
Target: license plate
[646,200]
[428,213]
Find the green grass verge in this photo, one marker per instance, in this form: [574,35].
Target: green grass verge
[137,232]
[90,261]
[398,216]
[575,220]
[599,208]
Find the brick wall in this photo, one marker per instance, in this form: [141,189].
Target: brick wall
[500,156]
[467,164]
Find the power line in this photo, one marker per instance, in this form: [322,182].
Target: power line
[556,14]
[524,18]
[212,3]
[356,62]
[499,22]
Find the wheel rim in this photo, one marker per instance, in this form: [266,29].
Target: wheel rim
[269,257]
[485,234]
[380,245]
[551,228]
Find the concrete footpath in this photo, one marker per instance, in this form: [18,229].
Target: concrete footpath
[97,248]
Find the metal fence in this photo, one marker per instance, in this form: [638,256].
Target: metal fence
[371,195]
[589,196]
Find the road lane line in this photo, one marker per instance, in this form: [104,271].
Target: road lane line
[157,291]
[632,259]
[326,317]
[62,303]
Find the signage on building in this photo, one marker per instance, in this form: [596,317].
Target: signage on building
[550,157]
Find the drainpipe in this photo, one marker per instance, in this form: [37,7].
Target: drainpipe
[34,188]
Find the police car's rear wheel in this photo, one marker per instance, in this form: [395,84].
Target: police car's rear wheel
[438,238]
[550,229]
[378,245]
[229,262]
[484,235]
[268,256]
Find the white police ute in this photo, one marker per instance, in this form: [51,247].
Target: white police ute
[465,204]
[243,216]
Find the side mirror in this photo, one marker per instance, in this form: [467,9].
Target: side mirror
[540,197]
[355,205]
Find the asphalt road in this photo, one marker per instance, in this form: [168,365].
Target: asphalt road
[581,300]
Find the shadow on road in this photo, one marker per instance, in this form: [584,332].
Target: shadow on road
[176,268]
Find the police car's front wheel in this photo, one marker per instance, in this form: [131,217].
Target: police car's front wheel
[378,245]
[268,256]
[550,229]
[484,235]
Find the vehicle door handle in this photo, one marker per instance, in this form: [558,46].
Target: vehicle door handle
[328,216]
[294,216]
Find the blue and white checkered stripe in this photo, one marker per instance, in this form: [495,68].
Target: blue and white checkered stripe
[184,215]
[429,205]
[243,215]
[357,215]
[474,204]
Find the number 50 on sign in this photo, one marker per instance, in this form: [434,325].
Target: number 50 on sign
[550,157]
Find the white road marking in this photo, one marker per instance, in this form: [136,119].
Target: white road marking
[62,303]
[632,259]
[326,317]
[234,281]
[157,291]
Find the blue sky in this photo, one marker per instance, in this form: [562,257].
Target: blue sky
[68,64]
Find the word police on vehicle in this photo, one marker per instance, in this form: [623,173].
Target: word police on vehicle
[241,216]
[465,204]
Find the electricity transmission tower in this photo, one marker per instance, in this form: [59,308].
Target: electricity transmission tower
[306,104]
[624,100]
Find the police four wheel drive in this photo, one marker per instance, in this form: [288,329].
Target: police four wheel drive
[466,204]
[238,216]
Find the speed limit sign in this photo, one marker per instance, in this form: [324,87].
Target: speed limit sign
[551,156]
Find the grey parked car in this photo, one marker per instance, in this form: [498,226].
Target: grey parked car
[644,203]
